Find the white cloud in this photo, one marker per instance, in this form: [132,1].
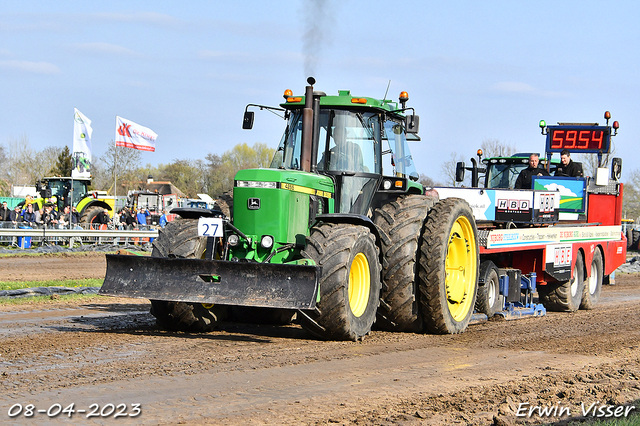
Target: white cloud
[112,49]
[517,87]
[139,17]
[513,87]
[31,67]
[563,190]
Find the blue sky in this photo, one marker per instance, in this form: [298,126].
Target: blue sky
[474,70]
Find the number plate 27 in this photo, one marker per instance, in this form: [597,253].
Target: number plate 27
[210,227]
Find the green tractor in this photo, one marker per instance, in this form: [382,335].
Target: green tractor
[57,191]
[337,231]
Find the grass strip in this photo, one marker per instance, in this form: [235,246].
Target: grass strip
[51,300]
[87,282]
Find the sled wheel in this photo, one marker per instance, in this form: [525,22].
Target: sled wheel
[593,284]
[489,300]
[565,296]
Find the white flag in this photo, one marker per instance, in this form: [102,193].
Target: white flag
[81,156]
[132,135]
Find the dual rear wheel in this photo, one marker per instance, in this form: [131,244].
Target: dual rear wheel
[578,292]
[430,264]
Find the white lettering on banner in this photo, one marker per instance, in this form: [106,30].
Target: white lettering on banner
[550,235]
[133,135]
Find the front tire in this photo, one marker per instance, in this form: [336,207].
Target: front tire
[400,223]
[349,283]
[448,268]
[593,284]
[565,296]
[180,239]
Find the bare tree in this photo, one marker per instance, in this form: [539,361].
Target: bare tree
[495,148]
[44,163]
[448,169]
[426,181]
[590,162]
[20,161]
[631,199]
[122,164]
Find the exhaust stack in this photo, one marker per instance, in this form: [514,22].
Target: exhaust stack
[306,148]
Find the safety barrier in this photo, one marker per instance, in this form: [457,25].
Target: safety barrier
[23,237]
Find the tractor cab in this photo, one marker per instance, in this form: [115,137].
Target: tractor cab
[355,142]
[502,172]
[60,188]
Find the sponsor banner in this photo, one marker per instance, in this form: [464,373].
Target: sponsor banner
[572,191]
[133,135]
[514,206]
[546,206]
[552,235]
[81,155]
[480,201]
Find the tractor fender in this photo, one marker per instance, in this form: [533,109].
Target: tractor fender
[353,219]
[84,204]
[194,212]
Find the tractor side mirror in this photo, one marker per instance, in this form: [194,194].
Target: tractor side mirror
[247,121]
[616,168]
[411,124]
[460,171]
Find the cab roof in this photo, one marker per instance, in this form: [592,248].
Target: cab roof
[343,99]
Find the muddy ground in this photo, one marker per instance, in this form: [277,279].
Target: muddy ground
[107,351]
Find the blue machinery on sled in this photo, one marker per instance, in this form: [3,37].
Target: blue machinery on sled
[517,292]
[519,303]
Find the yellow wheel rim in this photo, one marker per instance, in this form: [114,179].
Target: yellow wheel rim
[461,269]
[359,285]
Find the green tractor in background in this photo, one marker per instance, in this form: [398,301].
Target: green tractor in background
[337,231]
[57,191]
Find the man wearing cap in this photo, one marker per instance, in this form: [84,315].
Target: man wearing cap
[16,215]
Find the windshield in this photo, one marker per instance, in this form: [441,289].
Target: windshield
[60,189]
[346,142]
[503,175]
[399,160]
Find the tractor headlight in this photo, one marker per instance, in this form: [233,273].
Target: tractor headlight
[266,241]
[386,184]
[233,240]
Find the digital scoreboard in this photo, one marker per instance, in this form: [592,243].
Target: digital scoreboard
[576,138]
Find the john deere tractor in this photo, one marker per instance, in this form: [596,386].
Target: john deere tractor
[337,230]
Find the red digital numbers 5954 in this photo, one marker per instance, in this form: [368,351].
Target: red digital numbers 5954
[578,139]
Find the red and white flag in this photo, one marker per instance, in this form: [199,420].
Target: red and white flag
[132,135]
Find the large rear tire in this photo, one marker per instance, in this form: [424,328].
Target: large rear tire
[448,267]
[224,203]
[489,300]
[90,213]
[400,223]
[593,284]
[565,296]
[180,239]
[349,284]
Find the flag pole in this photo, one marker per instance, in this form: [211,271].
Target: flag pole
[115,162]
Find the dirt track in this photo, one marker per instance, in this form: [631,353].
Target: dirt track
[108,351]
